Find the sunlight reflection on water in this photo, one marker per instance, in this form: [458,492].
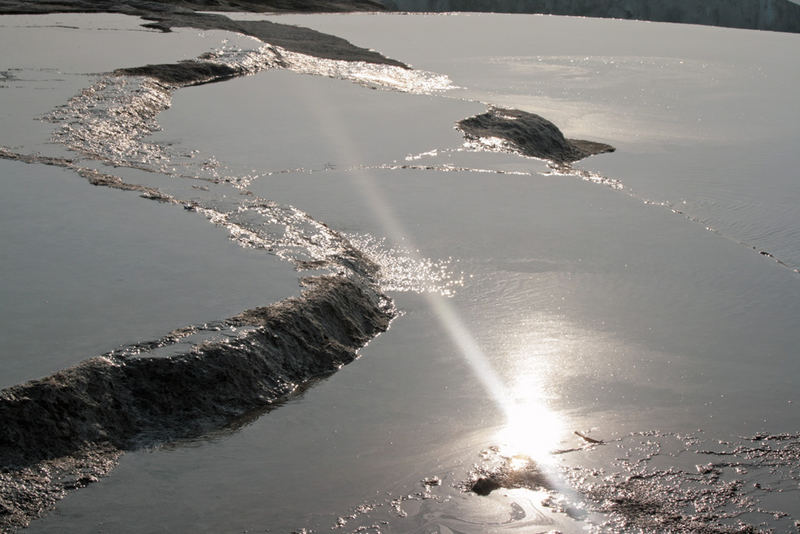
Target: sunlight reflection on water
[532,430]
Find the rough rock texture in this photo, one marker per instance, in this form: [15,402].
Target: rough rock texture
[293,38]
[529,134]
[63,431]
[116,6]
[166,15]
[183,73]
[27,491]
[509,472]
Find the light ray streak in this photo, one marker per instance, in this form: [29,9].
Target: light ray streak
[518,415]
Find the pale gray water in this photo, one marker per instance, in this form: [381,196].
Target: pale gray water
[704,118]
[595,309]
[86,269]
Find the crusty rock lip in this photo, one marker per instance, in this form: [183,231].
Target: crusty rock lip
[529,134]
[64,431]
[165,15]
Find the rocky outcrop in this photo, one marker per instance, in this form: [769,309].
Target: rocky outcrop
[165,15]
[527,134]
[63,431]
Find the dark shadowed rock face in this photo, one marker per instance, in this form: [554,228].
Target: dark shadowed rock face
[183,73]
[65,430]
[500,471]
[118,6]
[530,135]
[122,399]
[293,38]
[774,15]
[165,15]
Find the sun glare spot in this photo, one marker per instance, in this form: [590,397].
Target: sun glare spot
[531,428]
[519,462]
[531,432]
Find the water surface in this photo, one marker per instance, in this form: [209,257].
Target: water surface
[533,303]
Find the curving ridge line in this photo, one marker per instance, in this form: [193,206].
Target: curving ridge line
[65,430]
[165,15]
[527,134]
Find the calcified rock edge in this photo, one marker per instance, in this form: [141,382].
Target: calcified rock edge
[167,15]
[65,430]
[528,134]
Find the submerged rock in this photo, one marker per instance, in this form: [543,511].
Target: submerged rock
[509,472]
[528,134]
[485,485]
